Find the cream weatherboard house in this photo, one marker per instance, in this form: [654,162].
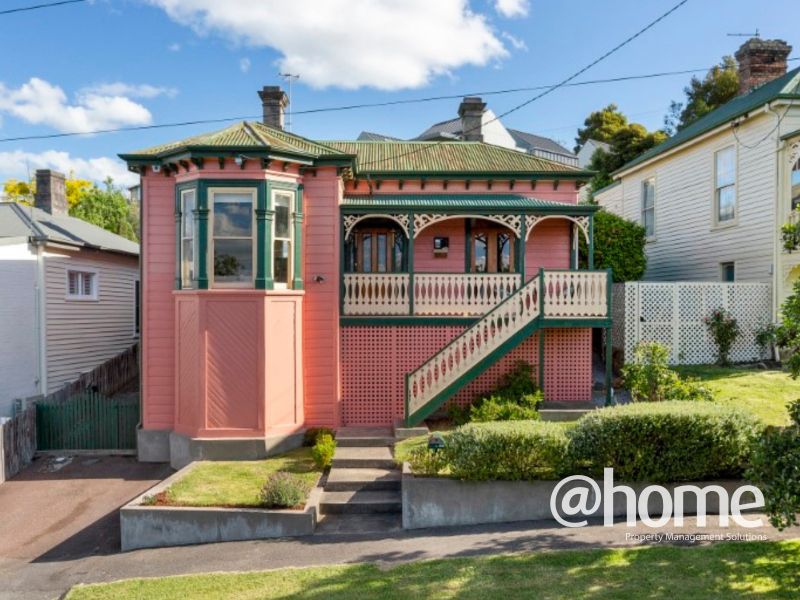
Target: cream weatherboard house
[68,299]
[714,196]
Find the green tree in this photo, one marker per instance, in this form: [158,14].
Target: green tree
[108,208]
[618,245]
[720,85]
[23,192]
[601,125]
[627,143]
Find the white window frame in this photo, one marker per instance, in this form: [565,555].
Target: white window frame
[651,180]
[184,283]
[253,191]
[735,185]
[291,194]
[94,296]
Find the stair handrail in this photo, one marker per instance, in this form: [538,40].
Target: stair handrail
[530,298]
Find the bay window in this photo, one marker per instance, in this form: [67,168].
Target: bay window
[232,224]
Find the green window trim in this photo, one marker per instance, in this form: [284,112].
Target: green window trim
[264,214]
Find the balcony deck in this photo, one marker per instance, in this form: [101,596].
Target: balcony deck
[569,297]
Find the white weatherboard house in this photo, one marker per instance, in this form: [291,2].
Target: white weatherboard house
[714,196]
[68,297]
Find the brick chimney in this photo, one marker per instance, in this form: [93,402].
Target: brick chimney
[471,112]
[51,192]
[274,101]
[761,61]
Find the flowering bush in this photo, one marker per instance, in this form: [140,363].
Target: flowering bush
[724,329]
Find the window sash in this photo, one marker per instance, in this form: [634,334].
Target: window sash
[795,185]
[649,207]
[236,229]
[82,284]
[282,238]
[725,185]
[188,239]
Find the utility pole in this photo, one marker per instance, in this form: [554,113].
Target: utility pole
[288,78]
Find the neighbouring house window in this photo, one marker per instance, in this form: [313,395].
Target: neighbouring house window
[728,272]
[81,285]
[137,307]
[796,185]
[492,251]
[188,239]
[282,238]
[376,246]
[232,247]
[649,207]
[725,185]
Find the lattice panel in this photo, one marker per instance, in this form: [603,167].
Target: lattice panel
[674,313]
[376,359]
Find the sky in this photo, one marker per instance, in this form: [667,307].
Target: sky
[104,64]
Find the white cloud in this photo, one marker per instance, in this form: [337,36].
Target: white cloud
[41,102]
[384,44]
[517,43]
[16,164]
[244,65]
[512,8]
[131,90]
[174,47]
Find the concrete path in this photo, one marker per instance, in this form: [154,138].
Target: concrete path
[49,578]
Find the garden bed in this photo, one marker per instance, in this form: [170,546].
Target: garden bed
[209,502]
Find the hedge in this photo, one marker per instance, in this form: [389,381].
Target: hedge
[664,442]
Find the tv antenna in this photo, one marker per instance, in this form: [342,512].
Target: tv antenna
[747,35]
[288,78]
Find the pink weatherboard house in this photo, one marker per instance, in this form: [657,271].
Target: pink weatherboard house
[290,283]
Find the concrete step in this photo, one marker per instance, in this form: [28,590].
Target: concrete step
[347,480]
[360,503]
[374,457]
[363,442]
[557,415]
[344,524]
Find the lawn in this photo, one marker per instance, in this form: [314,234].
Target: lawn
[237,483]
[764,392]
[719,570]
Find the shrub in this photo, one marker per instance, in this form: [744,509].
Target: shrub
[519,450]
[787,334]
[618,245]
[310,436]
[664,442]
[724,329]
[775,469]
[323,450]
[650,379]
[516,398]
[283,490]
[794,412]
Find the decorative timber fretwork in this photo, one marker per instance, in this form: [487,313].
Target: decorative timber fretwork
[532,221]
[423,220]
[350,221]
[794,153]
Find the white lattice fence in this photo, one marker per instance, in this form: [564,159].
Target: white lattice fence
[673,314]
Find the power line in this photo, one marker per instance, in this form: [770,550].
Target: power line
[353,106]
[575,75]
[38,6]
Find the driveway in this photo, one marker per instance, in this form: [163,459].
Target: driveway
[61,509]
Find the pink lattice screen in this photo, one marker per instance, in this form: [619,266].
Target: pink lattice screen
[375,360]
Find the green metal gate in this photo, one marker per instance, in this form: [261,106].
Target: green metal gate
[87,421]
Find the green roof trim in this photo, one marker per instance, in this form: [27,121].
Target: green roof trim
[785,87]
[790,135]
[461,202]
[414,158]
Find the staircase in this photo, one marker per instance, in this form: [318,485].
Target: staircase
[362,491]
[563,298]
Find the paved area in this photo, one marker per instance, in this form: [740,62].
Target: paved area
[24,580]
[65,508]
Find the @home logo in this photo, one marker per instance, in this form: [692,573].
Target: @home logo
[580,496]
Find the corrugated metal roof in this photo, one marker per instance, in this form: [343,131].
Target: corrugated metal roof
[17,220]
[371,136]
[787,86]
[454,201]
[246,134]
[448,157]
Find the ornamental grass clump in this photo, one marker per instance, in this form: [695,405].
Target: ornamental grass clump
[283,490]
[664,442]
[724,329]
